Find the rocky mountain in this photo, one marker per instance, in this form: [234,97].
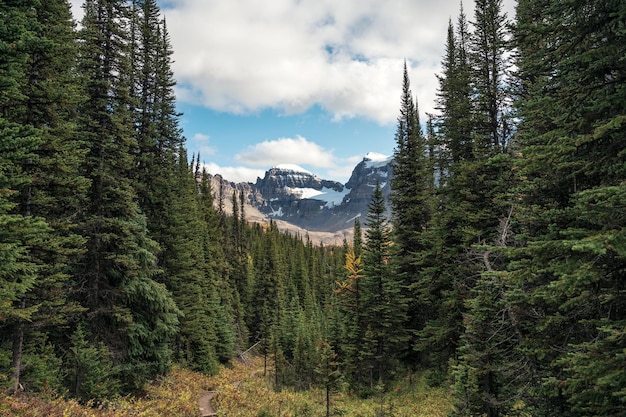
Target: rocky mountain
[300,201]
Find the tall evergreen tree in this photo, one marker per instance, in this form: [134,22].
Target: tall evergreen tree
[488,58]
[410,199]
[39,101]
[454,123]
[350,302]
[571,267]
[383,296]
[410,179]
[438,294]
[127,310]
[269,289]
[192,284]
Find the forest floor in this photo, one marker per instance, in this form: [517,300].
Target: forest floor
[241,391]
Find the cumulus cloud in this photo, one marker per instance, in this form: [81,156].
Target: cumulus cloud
[296,150]
[346,56]
[289,55]
[235,173]
[201,144]
[201,137]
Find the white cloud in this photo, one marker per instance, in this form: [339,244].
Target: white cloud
[201,137]
[235,174]
[286,150]
[77,9]
[246,55]
[200,142]
[346,56]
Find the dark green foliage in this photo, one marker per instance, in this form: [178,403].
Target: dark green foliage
[328,372]
[473,134]
[89,369]
[41,154]
[128,311]
[488,366]
[412,177]
[573,263]
[491,105]
[383,298]
[411,205]
[350,306]
[505,269]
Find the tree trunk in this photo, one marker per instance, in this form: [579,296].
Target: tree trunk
[18,347]
[327,400]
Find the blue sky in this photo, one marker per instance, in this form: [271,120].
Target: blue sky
[315,83]
[245,146]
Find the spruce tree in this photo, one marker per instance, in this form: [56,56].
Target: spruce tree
[132,315]
[269,289]
[39,102]
[384,301]
[350,302]
[454,124]
[488,58]
[571,266]
[192,284]
[445,286]
[410,202]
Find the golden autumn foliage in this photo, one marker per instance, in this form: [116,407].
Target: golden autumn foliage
[243,391]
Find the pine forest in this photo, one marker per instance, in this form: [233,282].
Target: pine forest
[499,277]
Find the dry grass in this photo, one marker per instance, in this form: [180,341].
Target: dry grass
[243,392]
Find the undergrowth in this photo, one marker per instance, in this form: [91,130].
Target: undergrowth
[243,391]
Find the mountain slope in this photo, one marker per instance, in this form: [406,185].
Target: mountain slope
[301,202]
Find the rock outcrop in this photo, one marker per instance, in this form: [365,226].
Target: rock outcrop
[291,195]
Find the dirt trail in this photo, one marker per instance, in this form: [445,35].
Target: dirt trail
[206,408]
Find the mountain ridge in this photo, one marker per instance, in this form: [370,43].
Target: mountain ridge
[301,202]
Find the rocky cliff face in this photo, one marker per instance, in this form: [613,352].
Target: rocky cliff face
[374,168]
[294,196]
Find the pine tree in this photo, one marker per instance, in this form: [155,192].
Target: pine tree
[383,296]
[18,233]
[269,289]
[192,284]
[486,367]
[454,124]
[492,106]
[39,102]
[127,310]
[350,300]
[474,130]
[571,266]
[443,286]
[410,175]
[410,200]
[328,370]
[90,373]
[357,242]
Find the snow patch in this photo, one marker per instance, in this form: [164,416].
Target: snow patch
[328,195]
[354,218]
[293,167]
[276,213]
[380,184]
[376,160]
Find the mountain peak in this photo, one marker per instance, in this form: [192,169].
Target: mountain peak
[376,160]
[297,197]
[376,157]
[292,167]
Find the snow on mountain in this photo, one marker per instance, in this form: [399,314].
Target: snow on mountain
[376,160]
[328,195]
[293,167]
[297,197]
